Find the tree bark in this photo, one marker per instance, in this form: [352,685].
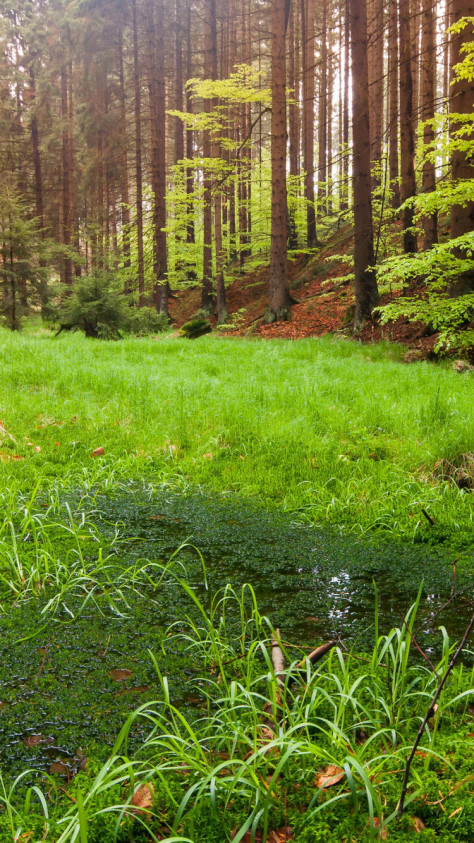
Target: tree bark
[307,28]
[366,292]
[322,117]
[210,67]
[462,166]
[279,299]
[461,102]
[428,80]
[375,69]
[67,207]
[138,161]
[393,87]
[156,87]
[407,136]
[125,210]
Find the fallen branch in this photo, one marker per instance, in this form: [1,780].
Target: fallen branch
[429,714]
[271,721]
[313,657]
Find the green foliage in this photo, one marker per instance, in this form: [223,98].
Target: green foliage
[361,718]
[21,274]
[144,321]
[96,306]
[441,265]
[195,328]
[440,268]
[465,68]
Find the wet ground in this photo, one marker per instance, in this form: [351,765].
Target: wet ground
[67,685]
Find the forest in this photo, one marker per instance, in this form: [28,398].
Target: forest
[236,428]
[148,148]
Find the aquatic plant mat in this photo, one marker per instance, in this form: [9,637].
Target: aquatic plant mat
[103,617]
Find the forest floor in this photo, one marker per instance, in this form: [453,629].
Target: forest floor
[325,301]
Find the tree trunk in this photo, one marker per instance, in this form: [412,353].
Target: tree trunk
[428,79]
[461,102]
[322,117]
[366,293]
[125,211]
[407,137]
[279,294]
[307,29]
[376,73]
[393,86]
[138,161]
[190,235]
[67,210]
[293,121]
[39,201]
[210,67]
[345,113]
[156,87]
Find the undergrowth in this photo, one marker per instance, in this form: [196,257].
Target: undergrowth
[330,768]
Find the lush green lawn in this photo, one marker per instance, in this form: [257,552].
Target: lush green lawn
[343,433]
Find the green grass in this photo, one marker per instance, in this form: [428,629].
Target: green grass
[340,433]
[216,776]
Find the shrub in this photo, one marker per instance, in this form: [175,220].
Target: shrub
[96,307]
[146,320]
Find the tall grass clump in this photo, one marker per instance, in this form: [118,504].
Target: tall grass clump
[340,433]
[328,768]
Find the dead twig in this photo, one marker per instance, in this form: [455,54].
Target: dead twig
[441,684]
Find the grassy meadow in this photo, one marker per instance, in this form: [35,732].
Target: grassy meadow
[340,433]
[335,433]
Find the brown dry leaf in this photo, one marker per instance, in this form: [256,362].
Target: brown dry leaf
[329,776]
[142,799]
[99,452]
[418,824]
[32,740]
[17,457]
[285,833]
[118,674]
[382,835]
[207,456]
[457,811]
[276,836]
[137,689]
[59,768]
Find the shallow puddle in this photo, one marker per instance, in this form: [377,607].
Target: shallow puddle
[66,690]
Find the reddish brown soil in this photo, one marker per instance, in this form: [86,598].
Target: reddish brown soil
[323,305]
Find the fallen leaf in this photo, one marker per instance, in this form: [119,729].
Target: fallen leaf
[329,776]
[17,457]
[382,835]
[418,824]
[207,456]
[59,768]
[98,452]
[142,799]
[118,674]
[33,740]
[57,444]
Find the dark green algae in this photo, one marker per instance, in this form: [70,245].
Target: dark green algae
[61,698]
